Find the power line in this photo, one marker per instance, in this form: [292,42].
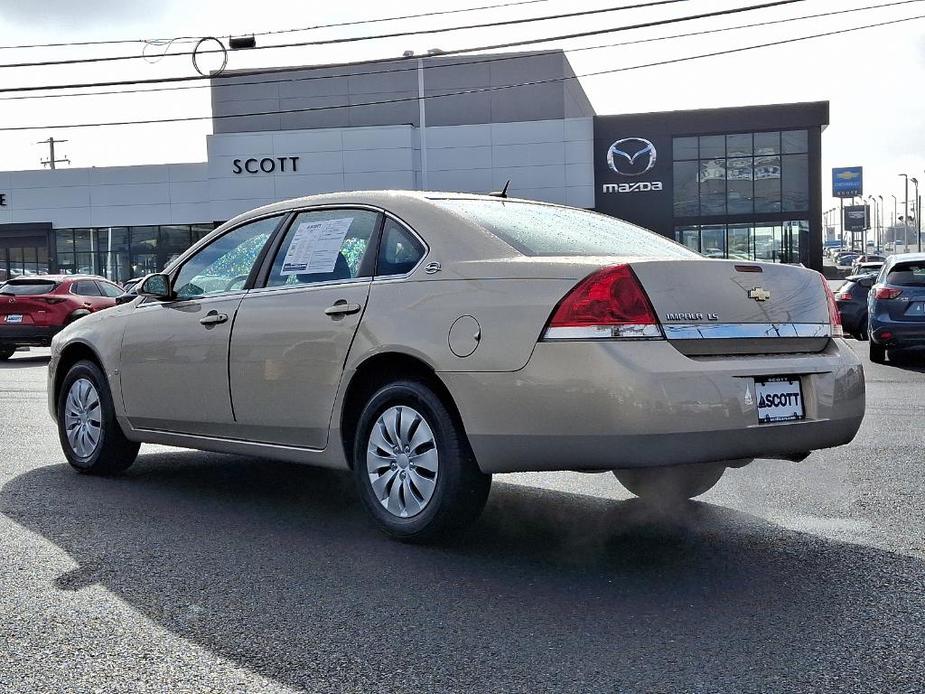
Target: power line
[508,44]
[478,90]
[373,37]
[192,39]
[490,59]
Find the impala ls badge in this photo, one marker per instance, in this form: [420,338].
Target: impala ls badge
[759,294]
[691,316]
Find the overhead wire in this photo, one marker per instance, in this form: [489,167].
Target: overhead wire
[374,37]
[476,49]
[332,25]
[446,65]
[477,90]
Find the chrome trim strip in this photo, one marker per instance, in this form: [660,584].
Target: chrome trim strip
[744,331]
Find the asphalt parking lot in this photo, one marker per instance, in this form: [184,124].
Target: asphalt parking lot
[200,572]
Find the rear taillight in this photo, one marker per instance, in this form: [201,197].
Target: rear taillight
[608,304]
[834,315]
[843,296]
[887,293]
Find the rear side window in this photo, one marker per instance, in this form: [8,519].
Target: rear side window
[907,275]
[85,288]
[28,287]
[399,251]
[535,229]
[323,246]
[110,290]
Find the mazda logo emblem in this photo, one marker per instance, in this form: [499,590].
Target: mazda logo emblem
[631,156]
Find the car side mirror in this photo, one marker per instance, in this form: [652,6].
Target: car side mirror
[156,287]
[126,298]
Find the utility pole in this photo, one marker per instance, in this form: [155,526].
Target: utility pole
[51,161]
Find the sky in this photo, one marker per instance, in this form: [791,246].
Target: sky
[873,78]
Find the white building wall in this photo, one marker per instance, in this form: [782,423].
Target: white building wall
[549,160]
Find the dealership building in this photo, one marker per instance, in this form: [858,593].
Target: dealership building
[741,183]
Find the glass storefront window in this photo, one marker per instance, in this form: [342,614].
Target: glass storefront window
[773,243]
[767,143]
[686,189]
[713,241]
[685,148]
[739,145]
[739,239]
[712,146]
[794,141]
[174,239]
[767,184]
[739,192]
[741,174]
[689,236]
[713,187]
[795,182]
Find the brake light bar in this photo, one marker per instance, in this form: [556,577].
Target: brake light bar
[887,293]
[834,315]
[608,304]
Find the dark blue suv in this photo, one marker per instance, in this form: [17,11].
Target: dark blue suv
[896,306]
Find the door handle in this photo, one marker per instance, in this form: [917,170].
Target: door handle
[214,318]
[341,308]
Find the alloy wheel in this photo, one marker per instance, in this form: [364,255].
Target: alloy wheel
[83,418]
[402,461]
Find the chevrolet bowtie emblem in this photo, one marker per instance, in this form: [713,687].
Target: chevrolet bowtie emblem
[759,294]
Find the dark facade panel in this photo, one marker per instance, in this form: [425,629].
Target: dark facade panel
[733,173]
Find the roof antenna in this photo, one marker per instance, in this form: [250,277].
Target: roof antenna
[503,192]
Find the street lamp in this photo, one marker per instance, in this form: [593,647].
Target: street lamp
[906,214]
[873,199]
[880,230]
[915,209]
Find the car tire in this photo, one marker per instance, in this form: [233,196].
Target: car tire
[91,438]
[6,352]
[666,485]
[862,328]
[413,466]
[877,353]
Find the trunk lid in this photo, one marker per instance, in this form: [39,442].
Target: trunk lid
[714,307]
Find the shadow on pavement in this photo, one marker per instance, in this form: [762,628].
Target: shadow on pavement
[275,567]
[16,362]
[908,359]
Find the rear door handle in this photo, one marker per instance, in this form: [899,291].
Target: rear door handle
[214,318]
[342,308]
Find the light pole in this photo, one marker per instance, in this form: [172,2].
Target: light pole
[880,226]
[906,214]
[873,199]
[915,210]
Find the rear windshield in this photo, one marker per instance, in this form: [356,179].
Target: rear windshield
[27,287]
[907,275]
[534,229]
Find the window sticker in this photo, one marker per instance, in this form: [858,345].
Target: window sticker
[315,246]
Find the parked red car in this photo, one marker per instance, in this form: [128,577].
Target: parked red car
[33,309]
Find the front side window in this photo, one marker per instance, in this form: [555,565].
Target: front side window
[323,246]
[535,229]
[110,290]
[85,288]
[224,264]
[399,251]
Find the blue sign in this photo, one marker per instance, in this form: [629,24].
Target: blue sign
[848,182]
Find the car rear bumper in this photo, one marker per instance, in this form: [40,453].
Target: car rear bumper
[28,335]
[595,406]
[902,333]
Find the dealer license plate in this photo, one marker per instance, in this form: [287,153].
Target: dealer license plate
[14,318]
[779,399]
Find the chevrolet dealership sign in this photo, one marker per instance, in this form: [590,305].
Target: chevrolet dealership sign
[848,182]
